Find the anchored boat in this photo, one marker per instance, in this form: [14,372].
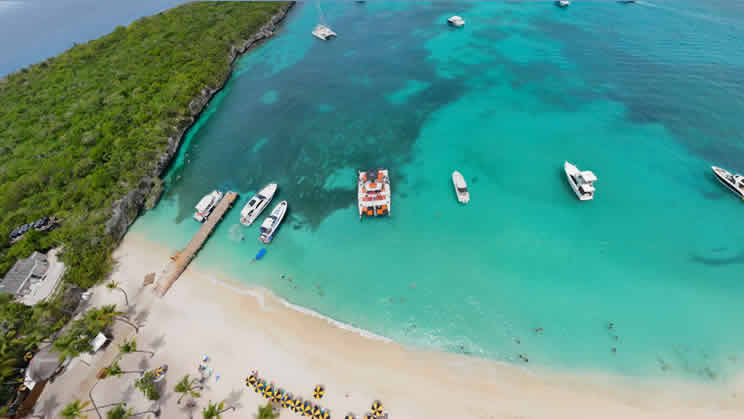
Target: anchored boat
[206,205]
[461,188]
[456,21]
[271,223]
[734,182]
[257,204]
[562,3]
[581,182]
[373,192]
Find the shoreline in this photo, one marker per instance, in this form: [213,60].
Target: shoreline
[243,328]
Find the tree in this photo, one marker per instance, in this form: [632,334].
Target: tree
[74,410]
[266,412]
[114,285]
[119,412]
[146,384]
[130,346]
[114,370]
[83,330]
[215,410]
[187,387]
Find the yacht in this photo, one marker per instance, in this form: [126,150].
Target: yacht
[271,223]
[206,205]
[373,192]
[734,182]
[582,182]
[562,3]
[323,32]
[257,204]
[461,188]
[456,21]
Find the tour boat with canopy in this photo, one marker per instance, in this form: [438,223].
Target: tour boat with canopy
[373,193]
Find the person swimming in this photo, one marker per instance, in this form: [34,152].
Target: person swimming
[539,330]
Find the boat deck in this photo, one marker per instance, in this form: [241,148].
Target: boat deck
[181,260]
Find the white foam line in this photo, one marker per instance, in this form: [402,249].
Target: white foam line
[302,310]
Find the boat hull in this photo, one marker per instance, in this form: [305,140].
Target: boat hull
[458,179]
[571,171]
[279,212]
[267,193]
[720,175]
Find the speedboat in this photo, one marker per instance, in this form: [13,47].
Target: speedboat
[206,205]
[373,193]
[582,182]
[323,32]
[562,3]
[735,182]
[456,21]
[257,204]
[461,188]
[271,223]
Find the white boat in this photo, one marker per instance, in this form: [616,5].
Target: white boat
[582,182]
[257,204]
[461,188]
[206,205]
[323,32]
[562,3]
[373,193]
[735,182]
[456,21]
[271,223]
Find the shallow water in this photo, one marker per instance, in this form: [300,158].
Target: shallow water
[647,96]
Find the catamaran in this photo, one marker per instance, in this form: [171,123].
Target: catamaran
[461,188]
[373,192]
[271,223]
[206,205]
[581,182]
[257,204]
[734,182]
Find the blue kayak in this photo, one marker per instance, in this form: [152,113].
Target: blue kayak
[260,254]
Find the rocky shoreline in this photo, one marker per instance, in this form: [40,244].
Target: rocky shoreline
[126,209]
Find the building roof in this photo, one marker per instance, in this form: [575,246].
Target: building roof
[43,365]
[20,276]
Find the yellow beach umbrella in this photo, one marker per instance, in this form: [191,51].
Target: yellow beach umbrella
[307,409]
[285,400]
[251,381]
[325,415]
[350,416]
[269,392]
[277,396]
[298,405]
[316,412]
[377,408]
[261,386]
[369,416]
[319,391]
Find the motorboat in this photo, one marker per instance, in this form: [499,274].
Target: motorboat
[563,3]
[734,182]
[323,32]
[257,204]
[456,21]
[626,1]
[461,188]
[582,182]
[206,205]
[373,192]
[271,223]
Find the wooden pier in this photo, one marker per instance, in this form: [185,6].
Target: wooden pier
[181,260]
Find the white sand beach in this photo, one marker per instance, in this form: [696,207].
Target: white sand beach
[241,330]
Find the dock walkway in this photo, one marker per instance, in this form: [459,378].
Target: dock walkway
[182,259]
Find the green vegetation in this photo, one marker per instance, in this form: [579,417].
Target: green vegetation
[74,410]
[119,412]
[83,330]
[215,410]
[114,285]
[130,346]
[266,412]
[80,130]
[188,387]
[147,385]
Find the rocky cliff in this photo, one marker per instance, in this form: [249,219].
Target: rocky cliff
[126,209]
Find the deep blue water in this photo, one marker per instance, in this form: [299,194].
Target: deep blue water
[648,96]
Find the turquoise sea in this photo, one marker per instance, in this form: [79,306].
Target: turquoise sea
[648,96]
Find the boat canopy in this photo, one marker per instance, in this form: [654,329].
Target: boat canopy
[587,188]
[588,176]
[268,222]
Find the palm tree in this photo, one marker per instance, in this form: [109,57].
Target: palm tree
[130,346]
[114,285]
[215,410]
[147,385]
[266,412]
[119,412]
[114,370]
[187,387]
[74,410]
